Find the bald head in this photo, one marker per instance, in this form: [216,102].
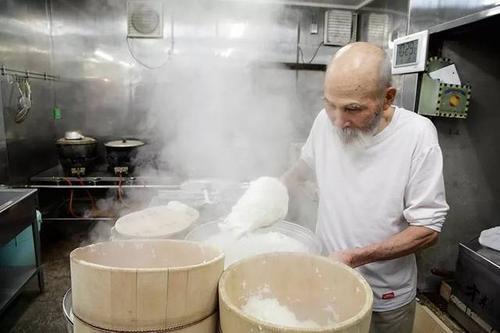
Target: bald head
[358,93]
[361,66]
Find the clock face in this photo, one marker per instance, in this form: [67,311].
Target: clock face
[407,52]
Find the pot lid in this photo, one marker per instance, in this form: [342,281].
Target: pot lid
[83,140]
[124,143]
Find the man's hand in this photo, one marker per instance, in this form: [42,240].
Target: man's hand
[344,257]
[297,174]
[401,244]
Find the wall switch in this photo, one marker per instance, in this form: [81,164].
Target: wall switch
[314,28]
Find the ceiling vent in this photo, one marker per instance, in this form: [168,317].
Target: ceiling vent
[340,27]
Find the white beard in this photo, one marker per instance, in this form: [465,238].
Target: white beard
[354,137]
[359,137]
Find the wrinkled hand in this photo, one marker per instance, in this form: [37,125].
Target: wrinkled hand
[345,257]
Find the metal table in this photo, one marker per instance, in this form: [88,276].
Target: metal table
[17,212]
[478,281]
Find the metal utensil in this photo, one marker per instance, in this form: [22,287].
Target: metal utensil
[24,102]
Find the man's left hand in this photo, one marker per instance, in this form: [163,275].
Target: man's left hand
[406,242]
[345,257]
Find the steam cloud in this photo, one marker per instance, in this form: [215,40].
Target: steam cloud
[215,111]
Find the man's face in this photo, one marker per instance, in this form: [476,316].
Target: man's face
[354,111]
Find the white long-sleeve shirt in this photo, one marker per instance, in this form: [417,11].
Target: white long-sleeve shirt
[369,193]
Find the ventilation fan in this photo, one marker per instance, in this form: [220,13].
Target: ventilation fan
[145,19]
[340,27]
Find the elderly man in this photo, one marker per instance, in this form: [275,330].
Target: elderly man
[379,172]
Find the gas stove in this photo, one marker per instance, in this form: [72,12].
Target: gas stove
[101,175]
[77,167]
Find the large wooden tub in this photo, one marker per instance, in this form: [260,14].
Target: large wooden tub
[332,295]
[145,285]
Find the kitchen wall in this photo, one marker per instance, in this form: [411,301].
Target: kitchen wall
[429,13]
[469,146]
[381,21]
[25,44]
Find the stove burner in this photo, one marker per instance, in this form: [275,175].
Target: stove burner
[78,171]
[77,167]
[121,170]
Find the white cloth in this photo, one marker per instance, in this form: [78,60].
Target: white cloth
[490,238]
[369,193]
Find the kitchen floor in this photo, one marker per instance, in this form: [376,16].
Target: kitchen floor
[35,312]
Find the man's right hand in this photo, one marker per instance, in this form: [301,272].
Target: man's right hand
[297,174]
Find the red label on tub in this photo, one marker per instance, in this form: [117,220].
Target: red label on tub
[388,295]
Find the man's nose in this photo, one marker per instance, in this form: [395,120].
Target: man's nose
[342,121]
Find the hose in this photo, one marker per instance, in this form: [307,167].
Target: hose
[70,205]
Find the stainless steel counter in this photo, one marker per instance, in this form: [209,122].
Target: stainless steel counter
[478,281]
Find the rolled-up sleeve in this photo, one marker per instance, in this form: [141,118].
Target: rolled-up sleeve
[425,199]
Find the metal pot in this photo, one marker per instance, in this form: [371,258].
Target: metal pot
[77,153]
[120,155]
[68,311]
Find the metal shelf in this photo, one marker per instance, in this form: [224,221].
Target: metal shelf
[79,218]
[87,186]
[12,280]
[468,19]
[101,178]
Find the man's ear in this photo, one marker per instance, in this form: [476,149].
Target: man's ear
[390,95]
